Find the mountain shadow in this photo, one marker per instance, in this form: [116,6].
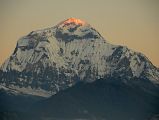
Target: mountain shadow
[99,100]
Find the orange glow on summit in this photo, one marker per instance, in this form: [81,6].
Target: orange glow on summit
[74,20]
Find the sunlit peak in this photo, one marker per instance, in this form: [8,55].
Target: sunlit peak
[74,20]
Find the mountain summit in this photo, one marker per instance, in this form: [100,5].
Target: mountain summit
[49,60]
[74,21]
[75,29]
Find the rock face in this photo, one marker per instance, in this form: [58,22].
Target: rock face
[49,60]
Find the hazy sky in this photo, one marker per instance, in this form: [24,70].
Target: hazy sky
[133,23]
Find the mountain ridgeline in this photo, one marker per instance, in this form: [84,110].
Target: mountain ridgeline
[80,75]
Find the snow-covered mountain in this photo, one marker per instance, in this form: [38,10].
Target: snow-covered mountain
[52,59]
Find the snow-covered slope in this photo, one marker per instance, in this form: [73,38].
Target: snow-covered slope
[56,58]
